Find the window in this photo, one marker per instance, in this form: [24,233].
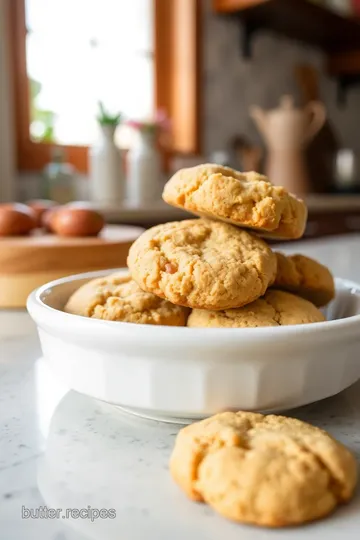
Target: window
[80,52]
[134,56]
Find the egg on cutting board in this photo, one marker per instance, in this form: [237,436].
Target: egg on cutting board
[16,219]
[76,221]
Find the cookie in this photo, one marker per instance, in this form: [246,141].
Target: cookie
[266,470]
[243,199]
[305,277]
[119,298]
[275,308]
[202,264]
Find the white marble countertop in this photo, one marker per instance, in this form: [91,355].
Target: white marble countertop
[60,449]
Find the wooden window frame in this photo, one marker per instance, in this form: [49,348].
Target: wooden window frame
[177,71]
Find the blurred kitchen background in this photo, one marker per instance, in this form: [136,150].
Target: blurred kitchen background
[102,100]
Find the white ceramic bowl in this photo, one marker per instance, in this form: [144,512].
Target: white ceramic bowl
[176,373]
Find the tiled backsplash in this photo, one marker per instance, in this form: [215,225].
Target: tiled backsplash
[232,84]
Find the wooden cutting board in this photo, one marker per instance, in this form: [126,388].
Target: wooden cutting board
[27,262]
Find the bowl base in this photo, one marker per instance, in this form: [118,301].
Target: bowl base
[160,417]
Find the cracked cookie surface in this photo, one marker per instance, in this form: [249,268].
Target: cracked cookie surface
[202,264]
[119,298]
[267,470]
[305,277]
[275,308]
[243,199]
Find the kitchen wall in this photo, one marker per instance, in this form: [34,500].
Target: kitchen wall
[231,84]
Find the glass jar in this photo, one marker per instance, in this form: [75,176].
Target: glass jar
[59,178]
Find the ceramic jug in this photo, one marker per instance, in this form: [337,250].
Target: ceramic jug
[286,131]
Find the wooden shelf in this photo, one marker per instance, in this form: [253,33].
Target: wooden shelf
[297,19]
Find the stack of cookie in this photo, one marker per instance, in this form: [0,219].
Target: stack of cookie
[217,265]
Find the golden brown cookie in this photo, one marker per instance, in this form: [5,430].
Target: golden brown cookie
[275,308]
[119,298]
[267,470]
[305,277]
[202,263]
[243,199]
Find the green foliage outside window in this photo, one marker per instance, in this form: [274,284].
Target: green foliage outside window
[41,118]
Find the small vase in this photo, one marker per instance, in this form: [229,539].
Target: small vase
[107,178]
[144,170]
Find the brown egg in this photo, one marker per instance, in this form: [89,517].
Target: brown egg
[73,221]
[16,219]
[40,206]
[47,218]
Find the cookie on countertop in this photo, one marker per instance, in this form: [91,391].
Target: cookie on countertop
[119,298]
[243,199]
[267,470]
[305,277]
[202,264]
[275,308]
